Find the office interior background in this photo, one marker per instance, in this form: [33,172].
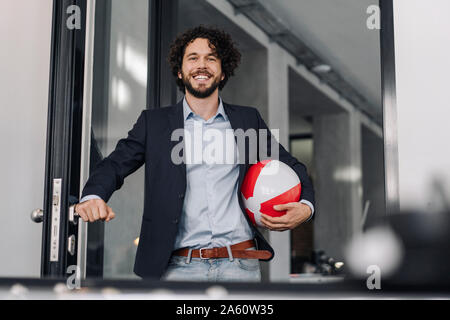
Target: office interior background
[314,69]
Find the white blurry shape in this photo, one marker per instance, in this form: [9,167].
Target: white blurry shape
[322,68]
[110,293]
[216,292]
[121,94]
[61,288]
[347,174]
[162,294]
[378,246]
[133,61]
[120,54]
[18,292]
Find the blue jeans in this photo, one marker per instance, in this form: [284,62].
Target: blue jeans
[212,270]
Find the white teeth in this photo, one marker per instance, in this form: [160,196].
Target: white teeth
[201,78]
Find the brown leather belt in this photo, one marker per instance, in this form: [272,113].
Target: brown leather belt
[237,251]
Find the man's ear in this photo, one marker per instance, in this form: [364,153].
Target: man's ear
[179,75]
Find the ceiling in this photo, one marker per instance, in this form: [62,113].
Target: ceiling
[336,30]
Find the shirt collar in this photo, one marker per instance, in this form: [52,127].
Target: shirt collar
[187,111]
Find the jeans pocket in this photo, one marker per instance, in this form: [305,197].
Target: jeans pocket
[248,264]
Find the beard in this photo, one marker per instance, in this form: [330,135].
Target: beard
[203,92]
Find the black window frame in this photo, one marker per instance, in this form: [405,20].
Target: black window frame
[65,114]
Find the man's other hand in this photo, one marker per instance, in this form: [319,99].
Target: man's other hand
[296,214]
[94,210]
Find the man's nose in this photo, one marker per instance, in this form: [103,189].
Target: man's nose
[202,63]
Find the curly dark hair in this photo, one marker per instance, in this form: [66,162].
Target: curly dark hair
[220,42]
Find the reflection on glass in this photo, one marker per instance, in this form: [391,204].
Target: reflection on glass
[120,90]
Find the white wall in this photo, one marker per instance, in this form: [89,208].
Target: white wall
[422,44]
[25,35]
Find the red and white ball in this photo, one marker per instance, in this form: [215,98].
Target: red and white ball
[268,183]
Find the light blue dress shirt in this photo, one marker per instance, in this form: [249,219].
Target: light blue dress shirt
[211,214]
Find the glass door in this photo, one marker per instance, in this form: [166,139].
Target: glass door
[119,92]
[125,74]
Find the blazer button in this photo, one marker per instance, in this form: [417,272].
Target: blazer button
[175,221]
[181,195]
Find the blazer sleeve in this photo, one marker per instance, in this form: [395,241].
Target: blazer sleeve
[307,192]
[128,156]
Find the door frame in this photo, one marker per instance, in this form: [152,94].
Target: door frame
[389,98]
[63,136]
[68,132]
[69,116]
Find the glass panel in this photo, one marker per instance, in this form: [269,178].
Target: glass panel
[305,76]
[119,96]
[320,79]
[302,237]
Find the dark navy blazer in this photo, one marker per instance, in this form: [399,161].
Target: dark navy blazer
[149,142]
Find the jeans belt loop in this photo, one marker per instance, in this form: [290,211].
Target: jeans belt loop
[189,257]
[230,254]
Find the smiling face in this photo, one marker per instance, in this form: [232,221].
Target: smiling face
[201,70]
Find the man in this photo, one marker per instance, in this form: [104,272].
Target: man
[194,226]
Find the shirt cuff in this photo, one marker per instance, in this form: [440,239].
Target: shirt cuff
[309,204]
[89,197]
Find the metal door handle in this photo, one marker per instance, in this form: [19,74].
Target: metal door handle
[37,215]
[73,216]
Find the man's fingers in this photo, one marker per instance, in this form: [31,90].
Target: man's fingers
[111,215]
[94,210]
[277,226]
[282,207]
[103,211]
[275,220]
[273,227]
[86,210]
[90,214]
[82,213]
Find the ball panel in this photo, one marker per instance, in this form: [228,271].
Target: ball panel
[251,177]
[292,195]
[268,183]
[251,216]
[275,178]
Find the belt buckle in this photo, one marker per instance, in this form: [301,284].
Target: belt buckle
[201,256]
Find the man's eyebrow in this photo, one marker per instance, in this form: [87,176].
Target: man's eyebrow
[196,54]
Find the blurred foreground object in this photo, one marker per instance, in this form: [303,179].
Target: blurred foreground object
[409,248]
[323,264]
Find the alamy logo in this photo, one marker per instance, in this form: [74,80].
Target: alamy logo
[374,280]
[74,20]
[214,146]
[373,21]
[73,281]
